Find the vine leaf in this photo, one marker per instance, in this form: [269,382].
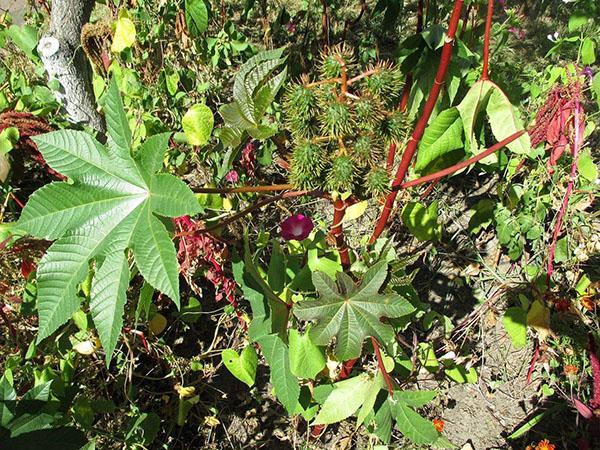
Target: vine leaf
[412,425]
[352,313]
[109,206]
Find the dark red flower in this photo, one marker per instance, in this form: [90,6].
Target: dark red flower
[296,227]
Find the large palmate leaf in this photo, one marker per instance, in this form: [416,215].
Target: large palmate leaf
[110,205]
[350,312]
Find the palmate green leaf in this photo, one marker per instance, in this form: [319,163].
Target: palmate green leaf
[110,205]
[352,313]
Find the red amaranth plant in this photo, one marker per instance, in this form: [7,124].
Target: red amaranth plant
[554,121]
[28,125]
[201,250]
[248,159]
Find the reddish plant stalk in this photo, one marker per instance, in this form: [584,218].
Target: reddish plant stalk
[595,363]
[461,165]
[577,125]
[422,122]
[534,360]
[486,40]
[240,189]
[337,231]
[386,376]
[391,156]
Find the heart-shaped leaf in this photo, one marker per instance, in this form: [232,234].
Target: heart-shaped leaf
[242,366]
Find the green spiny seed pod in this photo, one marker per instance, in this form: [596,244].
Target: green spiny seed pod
[299,103]
[377,182]
[366,150]
[303,179]
[332,60]
[385,84]
[337,119]
[395,127]
[341,175]
[308,157]
[369,112]
[326,94]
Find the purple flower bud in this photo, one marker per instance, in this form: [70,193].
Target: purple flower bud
[232,176]
[296,227]
[588,72]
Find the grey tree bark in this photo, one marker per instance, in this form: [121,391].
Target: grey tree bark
[64,60]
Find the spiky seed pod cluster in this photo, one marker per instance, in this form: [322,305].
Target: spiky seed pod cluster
[339,133]
[300,103]
[333,58]
[377,182]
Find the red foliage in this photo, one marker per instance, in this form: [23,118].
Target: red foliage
[28,125]
[554,121]
[201,250]
[248,160]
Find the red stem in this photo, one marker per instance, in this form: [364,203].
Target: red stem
[337,231]
[534,359]
[461,165]
[595,363]
[391,156]
[577,123]
[422,123]
[386,376]
[486,40]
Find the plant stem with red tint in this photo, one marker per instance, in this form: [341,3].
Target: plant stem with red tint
[337,231]
[595,363]
[386,376]
[422,122]
[461,165]
[578,128]
[486,40]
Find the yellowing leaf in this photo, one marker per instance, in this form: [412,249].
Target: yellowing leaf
[198,124]
[355,211]
[158,324]
[124,33]
[538,318]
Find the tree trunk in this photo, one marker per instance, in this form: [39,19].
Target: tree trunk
[64,60]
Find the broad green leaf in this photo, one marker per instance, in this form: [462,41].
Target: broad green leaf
[422,221]
[124,36]
[8,398]
[440,142]
[366,408]
[538,317]
[198,124]
[284,382]
[276,274]
[460,374]
[242,366]
[108,297]
[586,167]
[353,315]
[412,425]
[119,134]
[25,37]
[155,255]
[150,154]
[170,197]
[196,17]
[306,359]
[596,87]
[504,121]
[471,106]
[515,324]
[416,399]
[345,399]
[108,206]
[28,422]
[588,52]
